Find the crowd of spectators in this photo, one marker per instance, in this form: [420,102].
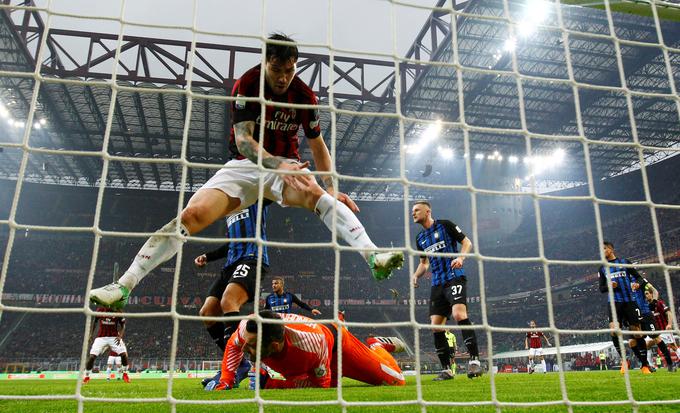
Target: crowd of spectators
[59,263]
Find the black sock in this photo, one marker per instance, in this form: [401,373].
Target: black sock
[443,350]
[230,326]
[666,354]
[615,340]
[640,351]
[216,331]
[470,339]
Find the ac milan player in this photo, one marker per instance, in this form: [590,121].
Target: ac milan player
[235,187]
[534,343]
[306,354]
[662,321]
[114,359]
[109,336]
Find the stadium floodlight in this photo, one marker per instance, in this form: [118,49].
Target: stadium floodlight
[513,159]
[10,122]
[3,111]
[558,156]
[446,153]
[19,124]
[535,14]
[527,159]
[37,125]
[479,155]
[510,44]
[490,157]
[43,121]
[431,133]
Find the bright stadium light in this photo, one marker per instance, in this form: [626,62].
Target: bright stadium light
[43,121]
[431,133]
[558,156]
[513,159]
[3,111]
[446,153]
[510,44]
[37,125]
[479,155]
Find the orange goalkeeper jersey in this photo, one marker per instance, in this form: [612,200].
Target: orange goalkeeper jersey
[305,360]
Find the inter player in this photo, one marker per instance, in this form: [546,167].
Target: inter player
[448,284]
[109,336]
[534,343]
[306,354]
[661,315]
[236,284]
[281,301]
[113,360]
[623,280]
[235,186]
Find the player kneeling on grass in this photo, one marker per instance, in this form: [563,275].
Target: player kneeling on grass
[305,355]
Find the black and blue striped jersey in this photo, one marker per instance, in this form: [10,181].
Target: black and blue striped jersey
[242,225]
[624,277]
[284,303]
[443,236]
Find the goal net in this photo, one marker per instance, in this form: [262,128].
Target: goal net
[540,128]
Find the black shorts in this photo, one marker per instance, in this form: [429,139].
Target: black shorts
[627,313]
[647,323]
[241,272]
[444,296]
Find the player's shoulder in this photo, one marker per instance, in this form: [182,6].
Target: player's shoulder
[299,87]
[250,79]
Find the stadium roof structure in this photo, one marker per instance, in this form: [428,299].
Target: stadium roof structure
[148,125]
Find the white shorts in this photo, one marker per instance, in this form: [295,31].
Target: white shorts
[102,344]
[667,338]
[239,178]
[114,360]
[536,352]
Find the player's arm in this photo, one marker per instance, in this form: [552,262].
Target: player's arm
[546,340]
[266,303]
[457,235]
[603,282]
[322,162]
[304,305]
[422,268]
[233,354]
[213,255]
[249,147]
[526,342]
[121,331]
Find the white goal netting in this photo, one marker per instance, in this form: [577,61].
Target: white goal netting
[542,129]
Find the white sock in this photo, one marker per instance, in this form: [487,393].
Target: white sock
[348,226]
[108,372]
[123,369]
[155,251]
[543,365]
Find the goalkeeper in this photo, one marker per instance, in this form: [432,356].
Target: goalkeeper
[306,354]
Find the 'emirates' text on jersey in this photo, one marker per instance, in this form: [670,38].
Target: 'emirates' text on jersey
[281,124]
[108,325]
[443,236]
[623,293]
[242,225]
[535,339]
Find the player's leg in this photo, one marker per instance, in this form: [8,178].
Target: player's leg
[124,366]
[98,347]
[205,206]
[374,365]
[530,367]
[119,366]
[212,308]
[455,292]
[349,228]
[109,366]
[240,289]
[543,365]
[665,351]
[440,310]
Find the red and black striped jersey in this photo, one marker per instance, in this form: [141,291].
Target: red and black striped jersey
[659,310]
[108,325]
[281,124]
[535,339]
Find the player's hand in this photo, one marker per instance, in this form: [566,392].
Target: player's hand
[635,286]
[457,263]
[615,284]
[345,199]
[201,260]
[297,182]
[316,312]
[415,282]
[117,340]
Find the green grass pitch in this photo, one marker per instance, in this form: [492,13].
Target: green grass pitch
[581,386]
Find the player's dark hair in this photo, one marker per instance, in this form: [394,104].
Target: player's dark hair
[283,52]
[270,332]
[608,244]
[423,202]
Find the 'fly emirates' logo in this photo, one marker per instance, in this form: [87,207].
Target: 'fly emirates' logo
[282,121]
